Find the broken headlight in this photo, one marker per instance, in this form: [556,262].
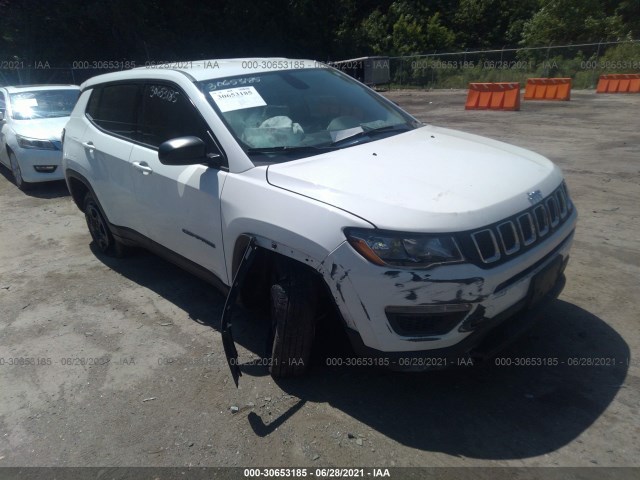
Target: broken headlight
[398,249]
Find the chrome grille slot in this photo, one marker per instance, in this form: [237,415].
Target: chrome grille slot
[509,237]
[527,229]
[552,209]
[542,220]
[562,203]
[487,246]
[565,190]
[498,242]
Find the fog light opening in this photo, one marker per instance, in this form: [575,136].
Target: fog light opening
[45,168]
[426,320]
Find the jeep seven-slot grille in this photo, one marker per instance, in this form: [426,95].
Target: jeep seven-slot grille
[508,238]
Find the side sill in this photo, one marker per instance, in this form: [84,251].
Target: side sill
[130,236]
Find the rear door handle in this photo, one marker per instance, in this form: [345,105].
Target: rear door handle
[89,145]
[143,167]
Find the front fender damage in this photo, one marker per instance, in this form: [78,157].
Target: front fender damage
[253,243]
[344,295]
[230,350]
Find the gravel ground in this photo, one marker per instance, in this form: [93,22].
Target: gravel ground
[124,362]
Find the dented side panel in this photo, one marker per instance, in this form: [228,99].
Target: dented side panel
[284,222]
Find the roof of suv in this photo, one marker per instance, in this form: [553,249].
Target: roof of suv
[31,88]
[199,70]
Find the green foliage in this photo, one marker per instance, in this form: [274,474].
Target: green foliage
[491,23]
[571,21]
[629,12]
[166,30]
[624,58]
[406,28]
[374,31]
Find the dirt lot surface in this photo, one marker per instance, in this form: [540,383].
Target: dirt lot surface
[119,362]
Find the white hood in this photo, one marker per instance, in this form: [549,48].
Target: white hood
[430,179]
[41,128]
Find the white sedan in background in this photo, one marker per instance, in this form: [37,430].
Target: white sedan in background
[31,121]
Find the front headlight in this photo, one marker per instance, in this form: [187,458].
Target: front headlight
[399,249]
[26,142]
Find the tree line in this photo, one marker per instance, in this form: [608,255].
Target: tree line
[63,31]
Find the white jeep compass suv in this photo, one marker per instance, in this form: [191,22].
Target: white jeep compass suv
[286,182]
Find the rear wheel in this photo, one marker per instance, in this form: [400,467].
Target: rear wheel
[17,173]
[99,228]
[294,299]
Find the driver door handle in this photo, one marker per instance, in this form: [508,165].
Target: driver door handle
[89,145]
[143,167]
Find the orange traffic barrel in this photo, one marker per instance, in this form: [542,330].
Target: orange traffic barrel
[493,96]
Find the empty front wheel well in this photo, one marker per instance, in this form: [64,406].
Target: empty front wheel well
[271,272]
[255,290]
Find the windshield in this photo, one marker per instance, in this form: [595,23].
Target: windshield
[43,104]
[283,115]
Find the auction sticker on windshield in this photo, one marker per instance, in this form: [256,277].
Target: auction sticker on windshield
[237,99]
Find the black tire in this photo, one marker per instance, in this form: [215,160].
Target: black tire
[99,229]
[294,298]
[17,173]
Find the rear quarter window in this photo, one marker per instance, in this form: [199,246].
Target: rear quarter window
[114,108]
[92,104]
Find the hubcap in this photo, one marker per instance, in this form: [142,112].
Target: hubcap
[15,169]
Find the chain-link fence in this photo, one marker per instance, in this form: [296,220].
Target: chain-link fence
[19,72]
[583,63]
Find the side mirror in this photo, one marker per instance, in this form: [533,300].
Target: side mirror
[188,151]
[182,151]
[1,117]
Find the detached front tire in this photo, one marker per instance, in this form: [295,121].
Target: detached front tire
[294,299]
[99,228]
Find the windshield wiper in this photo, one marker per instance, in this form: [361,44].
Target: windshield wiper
[371,132]
[364,133]
[284,149]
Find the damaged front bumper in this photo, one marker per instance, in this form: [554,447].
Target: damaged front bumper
[423,319]
[483,343]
